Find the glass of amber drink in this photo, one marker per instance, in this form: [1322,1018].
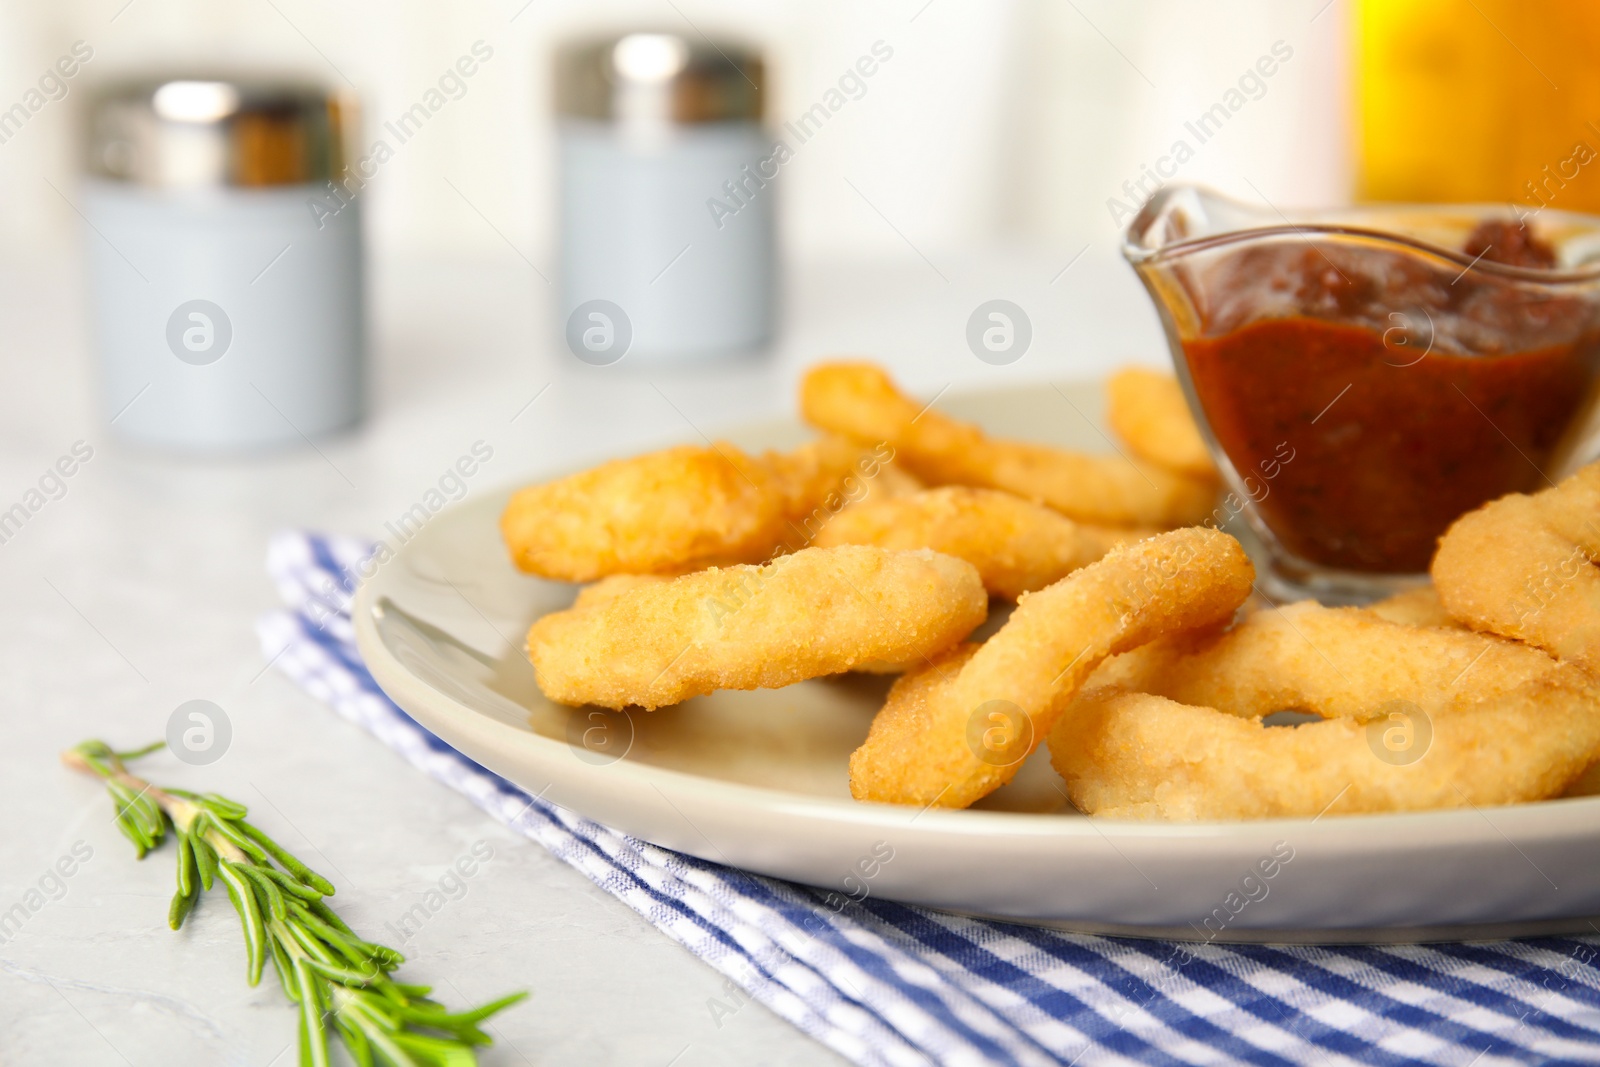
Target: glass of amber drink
[1365,376]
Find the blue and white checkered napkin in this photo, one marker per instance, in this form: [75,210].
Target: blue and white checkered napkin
[884,983]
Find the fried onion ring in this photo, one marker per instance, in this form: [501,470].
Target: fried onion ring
[1524,566]
[819,611]
[1139,756]
[1017,546]
[674,510]
[1146,409]
[920,748]
[860,401]
[1333,662]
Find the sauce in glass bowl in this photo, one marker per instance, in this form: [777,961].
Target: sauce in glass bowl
[1389,385]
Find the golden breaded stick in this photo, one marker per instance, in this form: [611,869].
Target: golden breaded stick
[1017,546]
[859,400]
[1138,756]
[820,611]
[1147,410]
[672,510]
[957,731]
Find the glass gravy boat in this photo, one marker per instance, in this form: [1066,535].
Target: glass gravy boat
[1365,376]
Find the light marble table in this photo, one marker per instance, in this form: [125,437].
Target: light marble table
[139,590]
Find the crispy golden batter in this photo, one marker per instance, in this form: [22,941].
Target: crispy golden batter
[892,480]
[820,611]
[613,586]
[1147,410]
[1333,662]
[1414,607]
[1524,566]
[859,400]
[674,510]
[955,732]
[1017,546]
[1139,756]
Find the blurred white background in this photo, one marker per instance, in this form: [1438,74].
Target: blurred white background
[995,122]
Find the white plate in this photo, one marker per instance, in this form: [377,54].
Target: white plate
[758,779]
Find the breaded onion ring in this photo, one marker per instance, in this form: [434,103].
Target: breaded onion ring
[1017,546]
[674,510]
[859,400]
[1138,756]
[1524,566]
[1333,662]
[1146,409]
[820,611]
[1006,694]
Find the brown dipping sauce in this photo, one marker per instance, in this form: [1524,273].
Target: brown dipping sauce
[1403,399]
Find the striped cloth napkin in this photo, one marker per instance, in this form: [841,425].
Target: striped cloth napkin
[886,983]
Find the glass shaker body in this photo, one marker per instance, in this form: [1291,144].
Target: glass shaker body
[650,226]
[667,186]
[225,267]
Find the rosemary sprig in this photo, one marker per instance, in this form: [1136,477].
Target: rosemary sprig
[334,976]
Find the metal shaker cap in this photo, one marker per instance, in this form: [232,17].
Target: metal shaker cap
[202,131]
[659,78]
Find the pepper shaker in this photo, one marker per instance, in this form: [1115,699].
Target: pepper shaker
[225,265]
[666,188]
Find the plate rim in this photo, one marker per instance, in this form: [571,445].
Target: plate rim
[1581,812]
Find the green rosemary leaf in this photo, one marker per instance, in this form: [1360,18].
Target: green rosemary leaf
[187,870]
[329,916]
[436,1017]
[313,1037]
[342,975]
[434,1051]
[354,949]
[288,884]
[413,991]
[141,844]
[355,1041]
[221,805]
[452,1020]
[271,897]
[249,917]
[372,1012]
[179,910]
[319,917]
[241,842]
[138,817]
[285,969]
[136,753]
[384,1044]
[205,859]
[310,945]
[494,1007]
[305,1036]
[287,860]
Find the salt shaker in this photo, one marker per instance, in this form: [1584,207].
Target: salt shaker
[225,262]
[667,188]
